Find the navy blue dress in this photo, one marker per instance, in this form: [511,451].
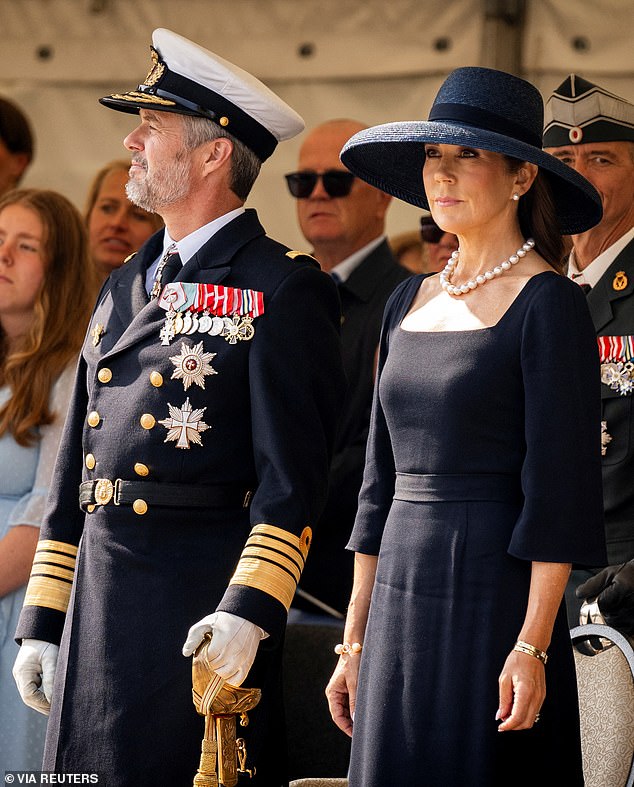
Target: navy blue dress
[484,455]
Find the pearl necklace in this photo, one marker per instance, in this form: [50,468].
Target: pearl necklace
[481,278]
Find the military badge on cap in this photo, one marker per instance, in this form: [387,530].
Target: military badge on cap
[579,111]
[189,80]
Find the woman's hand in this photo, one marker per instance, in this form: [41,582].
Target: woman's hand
[341,691]
[522,684]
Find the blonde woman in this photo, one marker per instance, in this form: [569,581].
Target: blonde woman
[116,227]
[46,293]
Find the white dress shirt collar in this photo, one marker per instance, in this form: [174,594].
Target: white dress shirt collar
[344,268]
[593,272]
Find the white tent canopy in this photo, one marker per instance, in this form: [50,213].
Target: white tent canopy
[372,60]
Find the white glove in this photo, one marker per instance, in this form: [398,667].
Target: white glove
[34,672]
[233,646]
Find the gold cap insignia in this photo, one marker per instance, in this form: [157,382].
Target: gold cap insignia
[620,281]
[157,70]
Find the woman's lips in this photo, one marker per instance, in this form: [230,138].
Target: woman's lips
[446,202]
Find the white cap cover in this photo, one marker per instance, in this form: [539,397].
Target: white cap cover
[187,79]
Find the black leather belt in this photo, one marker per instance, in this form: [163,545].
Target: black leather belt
[103,491]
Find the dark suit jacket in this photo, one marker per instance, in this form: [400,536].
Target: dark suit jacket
[328,572]
[613,315]
[141,580]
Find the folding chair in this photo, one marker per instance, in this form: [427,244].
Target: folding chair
[604,661]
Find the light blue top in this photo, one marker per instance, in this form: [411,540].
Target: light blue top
[25,474]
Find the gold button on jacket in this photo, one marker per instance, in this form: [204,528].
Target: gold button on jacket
[147,420]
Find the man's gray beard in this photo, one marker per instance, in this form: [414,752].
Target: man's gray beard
[162,188]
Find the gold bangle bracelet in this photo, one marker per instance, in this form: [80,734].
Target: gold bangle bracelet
[531,650]
[346,649]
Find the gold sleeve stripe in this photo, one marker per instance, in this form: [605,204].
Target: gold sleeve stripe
[56,546]
[278,546]
[51,575]
[267,577]
[301,544]
[55,572]
[46,591]
[274,557]
[272,561]
[46,558]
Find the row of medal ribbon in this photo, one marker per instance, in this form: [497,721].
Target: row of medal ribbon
[213,298]
[233,329]
[616,354]
[226,311]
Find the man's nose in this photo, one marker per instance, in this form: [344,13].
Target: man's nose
[319,192]
[134,140]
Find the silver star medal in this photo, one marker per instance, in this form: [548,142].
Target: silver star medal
[606,438]
[184,424]
[192,365]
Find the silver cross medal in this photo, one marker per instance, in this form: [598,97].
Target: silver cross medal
[168,332]
[184,424]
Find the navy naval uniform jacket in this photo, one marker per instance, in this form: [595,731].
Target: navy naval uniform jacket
[612,312]
[120,585]
[328,574]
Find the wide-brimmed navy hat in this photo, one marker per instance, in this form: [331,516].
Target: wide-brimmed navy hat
[479,108]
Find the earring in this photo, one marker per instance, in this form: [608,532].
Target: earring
[516,197]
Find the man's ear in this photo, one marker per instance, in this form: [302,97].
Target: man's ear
[216,154]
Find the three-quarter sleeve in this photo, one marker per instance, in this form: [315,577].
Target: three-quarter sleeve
[562,516]
[29,510]
[379,477]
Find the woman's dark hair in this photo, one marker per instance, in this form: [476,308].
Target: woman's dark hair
[538,218]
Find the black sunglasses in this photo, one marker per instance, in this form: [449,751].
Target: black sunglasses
[336,182]
[429,230]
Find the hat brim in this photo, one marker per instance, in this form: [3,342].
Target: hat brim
[391,157]
[135,100]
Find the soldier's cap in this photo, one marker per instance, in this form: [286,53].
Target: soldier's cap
[187,79]
[579,111]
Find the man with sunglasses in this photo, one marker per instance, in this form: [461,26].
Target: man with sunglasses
[343,219]
[439,244]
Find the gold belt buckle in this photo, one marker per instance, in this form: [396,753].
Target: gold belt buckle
[116,498]
[104,489]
